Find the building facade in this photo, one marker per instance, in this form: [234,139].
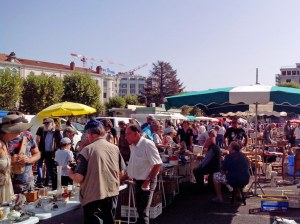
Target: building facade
[109,84]
[288,74]
[131,85]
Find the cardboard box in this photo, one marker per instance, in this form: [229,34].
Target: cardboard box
[293,198]
[154,211]
[157,198]
[170,186]
[124,196]
[31,196]
[274,203]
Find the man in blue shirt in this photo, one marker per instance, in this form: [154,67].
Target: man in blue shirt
[234,171]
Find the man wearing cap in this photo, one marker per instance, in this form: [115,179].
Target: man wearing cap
[211,162]
[98,171]
[14,131]
[150,118]
[48,139]
[143,167]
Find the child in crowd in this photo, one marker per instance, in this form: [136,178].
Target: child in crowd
[63,157]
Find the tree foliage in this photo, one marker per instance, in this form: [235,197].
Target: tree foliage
[185,110]
[290,84]
[196,111]
[81,88]
[116,101]
[161,83]
[41,91]
[131,100]
[11,89]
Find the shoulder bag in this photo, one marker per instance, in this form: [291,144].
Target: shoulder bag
[16,167]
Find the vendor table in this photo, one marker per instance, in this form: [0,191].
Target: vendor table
[72,204]
[31,220]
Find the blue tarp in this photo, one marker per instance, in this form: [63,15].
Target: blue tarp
[3,113]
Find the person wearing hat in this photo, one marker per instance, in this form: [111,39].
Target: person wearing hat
[48,139]
[14,132]
[98,171]
[63,157]
[150,118]
[211,162]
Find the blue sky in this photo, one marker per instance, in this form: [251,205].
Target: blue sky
[210,43]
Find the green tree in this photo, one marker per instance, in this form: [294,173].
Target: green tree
[186,110]
[41,91]
[116,101]
[161,83]
[131,100]
[81,88]
[290,84]
[11,89]
[196,111]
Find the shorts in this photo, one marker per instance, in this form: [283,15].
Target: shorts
[220,178]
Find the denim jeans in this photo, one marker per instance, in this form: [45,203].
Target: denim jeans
[143,200]
[51,168]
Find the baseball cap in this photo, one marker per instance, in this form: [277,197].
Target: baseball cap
[65,141]
[48,120]
[150,117]
[93,124]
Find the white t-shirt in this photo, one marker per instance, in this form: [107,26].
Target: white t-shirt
[297,133]
[143,156]
[221,131]
[63,156]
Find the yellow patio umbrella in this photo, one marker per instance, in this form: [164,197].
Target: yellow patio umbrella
[66,109]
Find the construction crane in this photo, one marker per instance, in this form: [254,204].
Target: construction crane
[131,72]
[85,58]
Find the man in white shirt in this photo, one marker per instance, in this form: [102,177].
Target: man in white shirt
[143,167]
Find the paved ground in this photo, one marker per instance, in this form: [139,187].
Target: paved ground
[188,208]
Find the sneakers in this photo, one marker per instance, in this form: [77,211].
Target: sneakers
[217,200]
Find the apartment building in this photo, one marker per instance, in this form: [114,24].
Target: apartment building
[288,74]
[109,84]
[132,85]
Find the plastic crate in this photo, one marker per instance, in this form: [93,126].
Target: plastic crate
[274,203]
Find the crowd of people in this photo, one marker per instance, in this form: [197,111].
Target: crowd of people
[106,158]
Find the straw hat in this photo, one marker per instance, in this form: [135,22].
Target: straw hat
[14,124]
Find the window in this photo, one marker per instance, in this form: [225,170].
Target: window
[288,80]
[132,86]
[104,95]
[283,72]
[105,83]
[293,72]
[288,73]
